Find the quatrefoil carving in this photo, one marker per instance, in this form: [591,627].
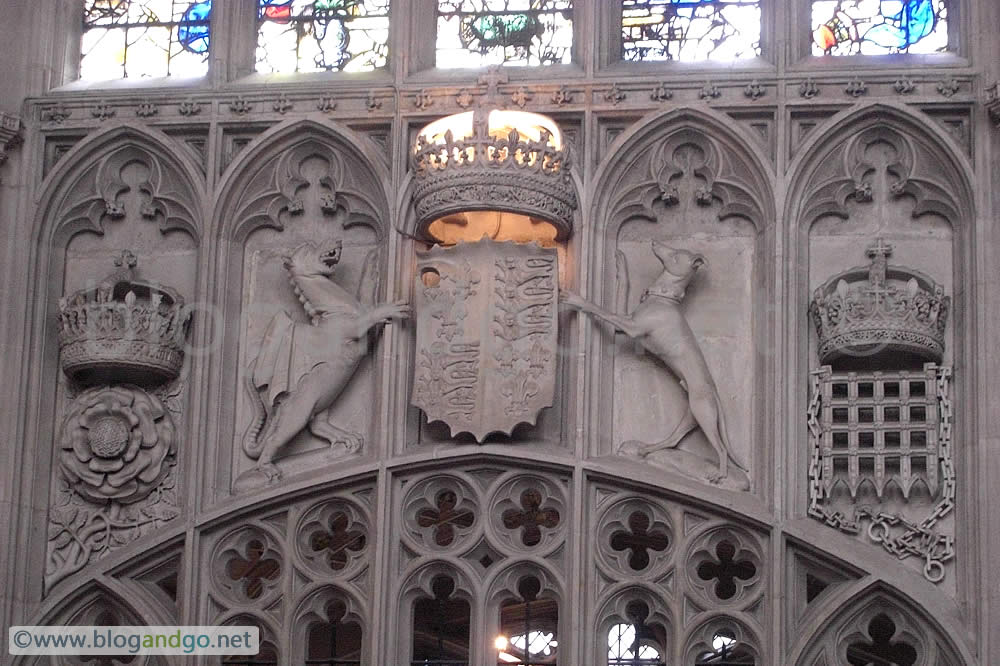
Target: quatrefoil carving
[531,518]
[639,539]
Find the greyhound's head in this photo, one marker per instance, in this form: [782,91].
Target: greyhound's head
[680,263]
[311,259]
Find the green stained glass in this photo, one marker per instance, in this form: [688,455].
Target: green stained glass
[478,33]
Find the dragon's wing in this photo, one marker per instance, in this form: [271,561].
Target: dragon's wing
[273,369]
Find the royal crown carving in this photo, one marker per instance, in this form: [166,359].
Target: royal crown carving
[488,171]
[868,309]
[123,329]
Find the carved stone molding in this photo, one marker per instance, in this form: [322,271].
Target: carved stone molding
[10,136]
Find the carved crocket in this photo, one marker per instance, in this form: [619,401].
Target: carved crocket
[658,324]
[302,369]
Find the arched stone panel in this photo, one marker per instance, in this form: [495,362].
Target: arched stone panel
[284,204]
[125,189]
[851,624]
[880,175]
[690,183]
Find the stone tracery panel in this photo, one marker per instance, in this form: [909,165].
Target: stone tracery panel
[683,185]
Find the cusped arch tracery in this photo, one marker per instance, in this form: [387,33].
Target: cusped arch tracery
[878,622]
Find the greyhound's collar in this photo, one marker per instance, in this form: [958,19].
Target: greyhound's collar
[674,296]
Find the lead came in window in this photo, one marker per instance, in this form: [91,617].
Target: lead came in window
[322,35]
[690,30]
[478,33]
[148,38]
[873,27]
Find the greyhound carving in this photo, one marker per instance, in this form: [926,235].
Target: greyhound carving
[302,369]
[658,324]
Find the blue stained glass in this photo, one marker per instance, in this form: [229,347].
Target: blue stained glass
[144,38]
[194,38]
[872,27]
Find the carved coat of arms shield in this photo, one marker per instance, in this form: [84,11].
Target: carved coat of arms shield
[487,324]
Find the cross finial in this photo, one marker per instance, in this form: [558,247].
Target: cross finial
[126,259]
[880,249]
[492,80]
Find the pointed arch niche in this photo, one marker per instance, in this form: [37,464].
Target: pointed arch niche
[879,173]
[305,181]
[129,189]
[688,181]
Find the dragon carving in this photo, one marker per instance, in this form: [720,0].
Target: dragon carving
[302,368]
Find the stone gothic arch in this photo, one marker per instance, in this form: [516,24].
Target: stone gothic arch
[687,180]
[301,182]
[882,171]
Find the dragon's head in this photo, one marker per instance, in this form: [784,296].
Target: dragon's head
[314,258]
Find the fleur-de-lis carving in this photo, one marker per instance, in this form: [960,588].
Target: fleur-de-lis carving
[661,93]
[57,114]
[338,540]
[856,88]
[253,569]
[326,103]
[423,100]
[520,96]
[754,90]
[709,91]
[103,111]
[808,89]
[189,107]
[146,109]
[948,87]
[240,106]
[531,517]
[446,517]
[282,104]
[639,540]
[562,96]
[615,95]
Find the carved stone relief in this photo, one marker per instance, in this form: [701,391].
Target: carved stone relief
[313,260]
[301,369]
[702,196]
[486,335]
[117,445]
[659,326]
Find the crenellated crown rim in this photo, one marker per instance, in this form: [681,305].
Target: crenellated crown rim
[879,309]
[485,170]
[123,330]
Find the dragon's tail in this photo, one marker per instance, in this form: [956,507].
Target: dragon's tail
[252,445]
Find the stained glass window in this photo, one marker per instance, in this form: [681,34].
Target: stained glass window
[322,35]
[478,33]
[137,38]
[690,29]
[872,27]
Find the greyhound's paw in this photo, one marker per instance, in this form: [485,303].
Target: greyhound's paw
[353,442]
[716,478]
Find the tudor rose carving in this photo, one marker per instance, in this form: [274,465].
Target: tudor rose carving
[660,326]
[301,369]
